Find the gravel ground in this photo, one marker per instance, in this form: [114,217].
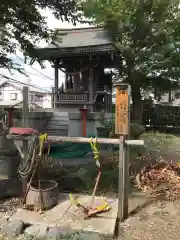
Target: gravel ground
[157,221]
[9,206]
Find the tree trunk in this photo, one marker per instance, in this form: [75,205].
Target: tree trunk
[137,106]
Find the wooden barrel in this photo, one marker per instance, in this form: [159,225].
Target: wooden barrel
[44,198]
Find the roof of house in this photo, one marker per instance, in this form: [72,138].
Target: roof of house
[16,104]
[9,103]
[78,40]
[20,85]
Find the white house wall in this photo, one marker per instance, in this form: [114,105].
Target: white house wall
[175,101]
[164,97]
[47,101]
[34,97]
[6,92]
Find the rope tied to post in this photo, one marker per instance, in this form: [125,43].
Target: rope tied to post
[95,152]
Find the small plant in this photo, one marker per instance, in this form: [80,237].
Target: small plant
[136,130]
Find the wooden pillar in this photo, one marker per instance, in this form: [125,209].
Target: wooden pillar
[85,80]
[122,126]
[110,103]
[52,98]
[56,83]
[66,82]
[77,82]
[10,122]
[170,97]
[91,88]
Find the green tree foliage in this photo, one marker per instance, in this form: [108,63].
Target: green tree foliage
[22,25]
[147,33]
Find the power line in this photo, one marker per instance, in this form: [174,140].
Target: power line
[35,69]
[16,81]
[35,74]
[6,90]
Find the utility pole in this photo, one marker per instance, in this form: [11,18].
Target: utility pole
[25,107]
[25,125]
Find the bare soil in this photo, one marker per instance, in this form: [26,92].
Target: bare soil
[157,219]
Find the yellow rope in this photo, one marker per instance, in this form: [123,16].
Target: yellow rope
[43,137]
[95,151]
[73,200]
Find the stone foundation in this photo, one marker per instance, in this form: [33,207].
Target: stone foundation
[93,121]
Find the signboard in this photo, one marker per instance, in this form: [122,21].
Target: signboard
[122,110]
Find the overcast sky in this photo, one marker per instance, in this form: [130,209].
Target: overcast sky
[44,80]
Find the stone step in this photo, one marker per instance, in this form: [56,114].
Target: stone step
[57,123]
[57,132]
[57,127]
[60,114]
[59,117]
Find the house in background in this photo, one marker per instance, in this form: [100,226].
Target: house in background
[11,91]
[172,97]
[158,96]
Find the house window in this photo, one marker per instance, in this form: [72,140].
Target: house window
[38,98]
[31,98]
[177,95]
[13,96]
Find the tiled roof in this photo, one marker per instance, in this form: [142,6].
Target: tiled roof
[83,37]
[16,104]
[77,42]
[9,103]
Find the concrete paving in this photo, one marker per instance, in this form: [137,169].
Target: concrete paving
[65,214]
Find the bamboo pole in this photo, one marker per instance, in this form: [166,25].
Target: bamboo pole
[83,140]
[99,140]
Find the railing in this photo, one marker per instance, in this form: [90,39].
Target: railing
[72,97]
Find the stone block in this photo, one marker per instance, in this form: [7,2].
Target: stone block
[59,233]
[36,231]
[87,236]
[13,228]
